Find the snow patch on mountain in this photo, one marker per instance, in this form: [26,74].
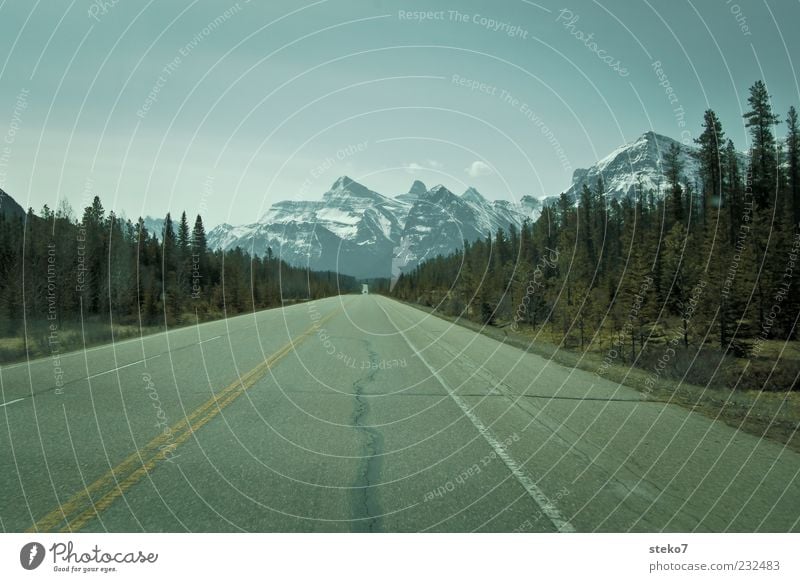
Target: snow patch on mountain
[637,166]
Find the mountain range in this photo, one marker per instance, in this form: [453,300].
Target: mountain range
[635,165]
[360,232]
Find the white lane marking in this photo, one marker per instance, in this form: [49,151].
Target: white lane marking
[110,346]
[11,402]
[9,367]
[105,347]
[113,345]
[548,507]
[211,339]
[121,367]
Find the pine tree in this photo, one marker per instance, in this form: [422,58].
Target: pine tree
[673,171]
[169,275]
[184,242]
[711,162]
[760,120]
[600,225]
[93,245]
[733,194]
[793,161]
[586,258]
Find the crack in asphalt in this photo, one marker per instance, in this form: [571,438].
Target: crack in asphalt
[366,508]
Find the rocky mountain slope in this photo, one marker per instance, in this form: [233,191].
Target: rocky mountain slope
[359,232]
[9,208]
[641,164]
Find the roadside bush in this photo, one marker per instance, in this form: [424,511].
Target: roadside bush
[702,368]
[765,375]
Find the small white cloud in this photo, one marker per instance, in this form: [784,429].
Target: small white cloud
[478,168]
[415,167]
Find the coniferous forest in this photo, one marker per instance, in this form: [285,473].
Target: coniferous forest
[699,282]
[67,282]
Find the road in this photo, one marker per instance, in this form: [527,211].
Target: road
[359,413]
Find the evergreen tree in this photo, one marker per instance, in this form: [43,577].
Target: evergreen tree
[711,162]
[92,248]
[763,160]
[199,244]
[793,162]
[184,242]
[673,171]
[733,194]
[586,259]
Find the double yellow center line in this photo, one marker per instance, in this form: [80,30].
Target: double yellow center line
[88,503]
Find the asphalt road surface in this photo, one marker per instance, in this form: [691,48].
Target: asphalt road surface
[358,413]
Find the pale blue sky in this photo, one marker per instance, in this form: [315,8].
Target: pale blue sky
[273,101]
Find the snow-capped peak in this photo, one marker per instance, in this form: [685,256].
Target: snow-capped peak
[636,165]
[344,185]
[472,195]
[439,189]
[341,183]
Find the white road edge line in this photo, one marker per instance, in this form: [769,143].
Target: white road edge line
[121,367]
[11,402]
[538,496]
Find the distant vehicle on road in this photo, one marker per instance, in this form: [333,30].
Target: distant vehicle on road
[364,289]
